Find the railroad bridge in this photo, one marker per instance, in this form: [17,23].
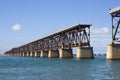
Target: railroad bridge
[59,44]
[113,50]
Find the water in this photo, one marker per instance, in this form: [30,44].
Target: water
[28,68]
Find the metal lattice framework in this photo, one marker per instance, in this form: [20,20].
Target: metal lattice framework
[115,14]
[78,35]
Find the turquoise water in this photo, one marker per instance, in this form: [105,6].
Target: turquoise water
[28,68]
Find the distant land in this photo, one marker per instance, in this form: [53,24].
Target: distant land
[100,53]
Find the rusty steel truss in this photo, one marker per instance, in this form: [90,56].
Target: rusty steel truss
[115,14]
[78,35]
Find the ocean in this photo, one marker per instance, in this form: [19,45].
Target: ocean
[29,68]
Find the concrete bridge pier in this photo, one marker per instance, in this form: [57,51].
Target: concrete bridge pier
[32,54]
[28,54]
[44,54]
[53,53]
[66,53]
[23,54]
[18,54]
[15,54]
[9,54]
[113,52]
[12,54]
[37,54]
[85,53]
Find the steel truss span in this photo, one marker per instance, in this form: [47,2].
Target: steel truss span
[115,14]
[75,36]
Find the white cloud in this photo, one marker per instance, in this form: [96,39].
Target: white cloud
[16,27]
[100,42]
[103,30]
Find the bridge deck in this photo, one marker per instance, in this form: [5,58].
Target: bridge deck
[115,10]
[77,26]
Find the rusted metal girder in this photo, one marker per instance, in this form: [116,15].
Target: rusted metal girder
[78,35]
[115,14]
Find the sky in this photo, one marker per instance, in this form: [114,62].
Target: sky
[23,21]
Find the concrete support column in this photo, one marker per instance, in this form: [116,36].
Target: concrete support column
[66,53]
[17,54]
[85,53]
[113,52]
[53,53]
[31,54]
[44,54]
[28,54]
[14,54]
[9,54]
[37,54]
[20,54]
[23,54]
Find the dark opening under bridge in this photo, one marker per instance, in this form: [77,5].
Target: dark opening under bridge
[58,44]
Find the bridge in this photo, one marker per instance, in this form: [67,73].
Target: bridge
[59,44]
[113,50]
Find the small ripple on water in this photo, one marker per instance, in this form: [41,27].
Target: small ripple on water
[24,68]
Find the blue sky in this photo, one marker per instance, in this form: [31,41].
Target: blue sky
[22,21]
